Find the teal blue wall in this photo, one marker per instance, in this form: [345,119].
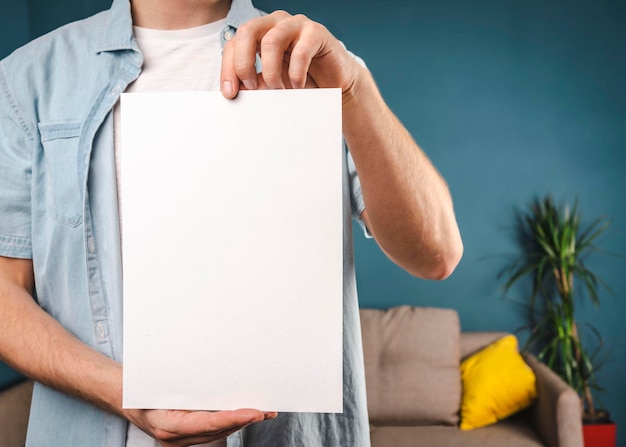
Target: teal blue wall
[511,100]
[14,27]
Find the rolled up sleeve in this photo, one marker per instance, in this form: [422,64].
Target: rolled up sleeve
[356,196]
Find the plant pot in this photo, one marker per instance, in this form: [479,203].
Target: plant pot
[599,431]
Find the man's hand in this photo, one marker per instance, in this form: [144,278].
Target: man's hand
[295,52]
[178,428]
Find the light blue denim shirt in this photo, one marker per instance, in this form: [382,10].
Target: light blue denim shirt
[58,207]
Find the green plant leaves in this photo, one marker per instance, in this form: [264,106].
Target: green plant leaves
[554,248]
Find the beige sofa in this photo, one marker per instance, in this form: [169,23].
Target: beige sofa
[412,358]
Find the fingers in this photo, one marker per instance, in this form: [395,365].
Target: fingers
[207,423]
[269,415]
[229,83]
[278,48]
[175,428]
[287,46]
[224,420]
[239,55]
[309,44]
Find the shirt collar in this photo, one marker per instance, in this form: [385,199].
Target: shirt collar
[240,12]
[117,32]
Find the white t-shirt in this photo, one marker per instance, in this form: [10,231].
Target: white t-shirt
[174,60]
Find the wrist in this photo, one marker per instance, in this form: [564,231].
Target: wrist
[107,385]
[361,94]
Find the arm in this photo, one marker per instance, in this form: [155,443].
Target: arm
[37,345]
[409,209]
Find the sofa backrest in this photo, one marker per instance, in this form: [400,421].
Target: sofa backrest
[412,358]
[472,342]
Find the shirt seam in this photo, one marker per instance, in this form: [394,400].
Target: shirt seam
[15,246]
[13,104]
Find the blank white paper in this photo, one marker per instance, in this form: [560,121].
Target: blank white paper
[232,250]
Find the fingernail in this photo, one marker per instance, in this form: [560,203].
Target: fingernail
[227,88]
[248,84]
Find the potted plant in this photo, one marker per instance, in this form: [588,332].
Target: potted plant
[555,248]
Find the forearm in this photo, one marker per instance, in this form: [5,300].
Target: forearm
[409,209]
[38,346]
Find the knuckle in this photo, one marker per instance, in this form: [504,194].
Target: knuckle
[316,27]
[281,14]
[299,53]
[297,76]
[241,67]
[271,40]
[245,30]
[271,77]
[301,18]
[298,80]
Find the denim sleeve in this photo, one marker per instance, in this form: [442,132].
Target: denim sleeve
[356,196]
[15,176]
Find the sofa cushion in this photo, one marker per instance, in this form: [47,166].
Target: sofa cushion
[412,359]
[513,432]
[497,382]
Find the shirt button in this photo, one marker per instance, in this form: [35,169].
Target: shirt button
[100,330]
[91,246]
[116,90]
[228,33]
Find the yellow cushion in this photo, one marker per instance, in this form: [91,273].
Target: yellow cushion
[497,382]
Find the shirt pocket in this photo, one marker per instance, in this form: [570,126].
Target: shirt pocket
[64,172]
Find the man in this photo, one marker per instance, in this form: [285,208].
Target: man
[59,231]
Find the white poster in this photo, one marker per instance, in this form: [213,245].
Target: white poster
[232,248]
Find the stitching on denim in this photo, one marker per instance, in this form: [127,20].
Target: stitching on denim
[16,246]
[13,104]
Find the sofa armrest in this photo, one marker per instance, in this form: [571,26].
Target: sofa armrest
[556,415]
[14,410]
